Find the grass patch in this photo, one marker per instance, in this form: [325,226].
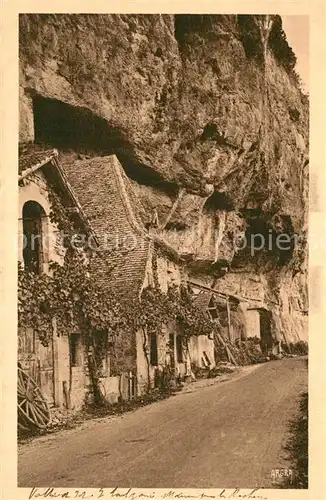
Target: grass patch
[297,447]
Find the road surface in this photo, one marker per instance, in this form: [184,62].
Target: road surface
[230,434]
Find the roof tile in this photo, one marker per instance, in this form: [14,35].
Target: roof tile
[31,155]
[106,196]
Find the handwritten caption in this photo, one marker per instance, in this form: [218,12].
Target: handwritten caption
[135,494]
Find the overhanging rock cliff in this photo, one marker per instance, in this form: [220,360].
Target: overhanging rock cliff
[207,118]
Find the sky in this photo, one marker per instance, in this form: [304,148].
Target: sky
[297,33]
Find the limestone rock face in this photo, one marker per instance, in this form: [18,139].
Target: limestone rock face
[215,139]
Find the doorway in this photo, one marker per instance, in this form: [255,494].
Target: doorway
[265,330]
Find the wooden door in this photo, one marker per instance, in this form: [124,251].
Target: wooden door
[45,370]
[37,361]
[27,351]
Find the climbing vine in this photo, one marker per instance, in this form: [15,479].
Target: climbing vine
[70,294]
[155,308]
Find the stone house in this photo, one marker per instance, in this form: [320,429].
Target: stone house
[131,257]
[60,364]
[273,319]
[279,317]
[128,257]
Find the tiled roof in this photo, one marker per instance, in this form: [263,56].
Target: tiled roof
[202,299]
[103,191]
[31,157]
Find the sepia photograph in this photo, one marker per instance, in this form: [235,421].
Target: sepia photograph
[162,302]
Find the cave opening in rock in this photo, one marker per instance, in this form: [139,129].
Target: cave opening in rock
[70,128]
[146,175]
[263,244]
[265,330]
[175,226]
[218,201]
[211,132]
[259,322]
[66,127]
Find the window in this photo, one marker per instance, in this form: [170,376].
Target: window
[74,347]
[33,214]
[179,349]
[153,349]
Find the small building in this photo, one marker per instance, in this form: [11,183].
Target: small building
[224,309]
[57,366]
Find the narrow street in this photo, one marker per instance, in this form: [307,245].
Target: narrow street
[230,434]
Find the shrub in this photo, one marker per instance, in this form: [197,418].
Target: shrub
[278,44]
[298,348]
[250,37]
[297,447]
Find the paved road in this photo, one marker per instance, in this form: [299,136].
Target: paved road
[225,435]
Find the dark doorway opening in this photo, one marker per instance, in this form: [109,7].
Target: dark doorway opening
[171,349]
[179,346]
[153,349]
[33,216]
[265,330]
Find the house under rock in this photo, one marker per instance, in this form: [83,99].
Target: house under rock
[224,310]
[57,367]
[127,258]
[237,318]
[130,258]
[244,309]
[130,254]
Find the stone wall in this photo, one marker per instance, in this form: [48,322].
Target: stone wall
[198,345]
[35,188]
[253,323]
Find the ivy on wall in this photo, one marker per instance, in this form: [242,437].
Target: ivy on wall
[68,294]
[73,298]
[71,295]
[156,308]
